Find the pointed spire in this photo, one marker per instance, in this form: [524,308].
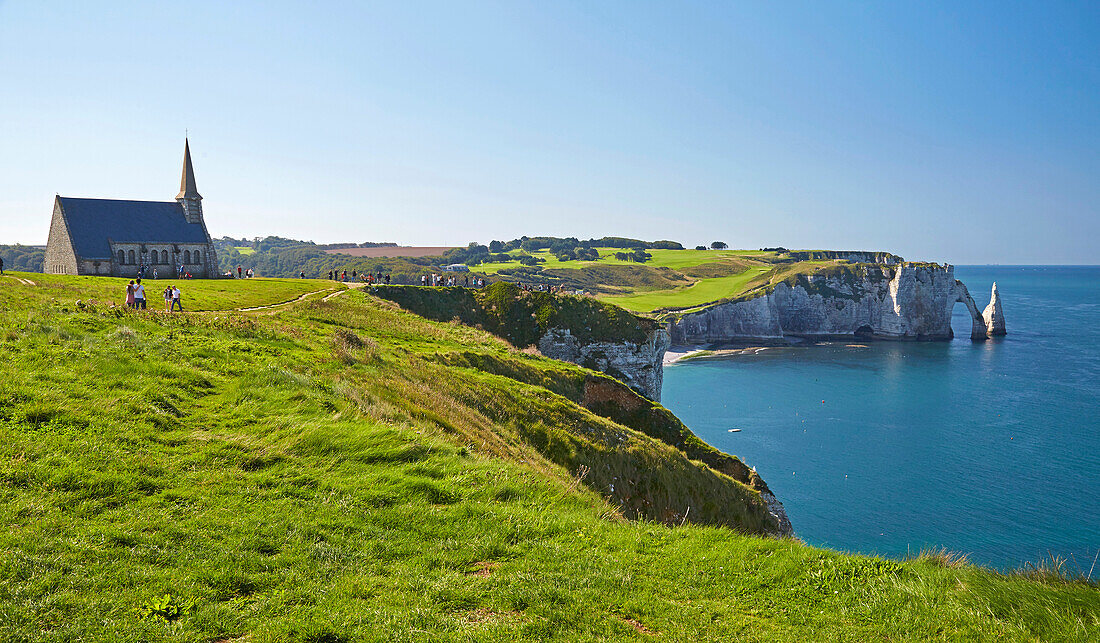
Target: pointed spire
[187,181]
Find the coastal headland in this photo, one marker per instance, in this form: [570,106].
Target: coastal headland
[328,455]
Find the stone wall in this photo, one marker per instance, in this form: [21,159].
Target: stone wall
[60,258]
[177,253]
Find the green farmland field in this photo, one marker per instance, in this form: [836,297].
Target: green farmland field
[701,292]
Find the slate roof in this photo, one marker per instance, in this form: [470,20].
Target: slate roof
[93,223]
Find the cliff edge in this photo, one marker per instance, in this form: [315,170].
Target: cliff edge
[580,330]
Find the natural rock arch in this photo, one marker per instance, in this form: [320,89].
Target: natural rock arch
[962,295]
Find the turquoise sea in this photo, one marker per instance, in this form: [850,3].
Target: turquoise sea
[987,448]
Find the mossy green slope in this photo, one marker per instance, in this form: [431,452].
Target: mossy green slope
[330,471]
[519,316]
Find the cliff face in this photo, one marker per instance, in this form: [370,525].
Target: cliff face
[907,301]
[639,365]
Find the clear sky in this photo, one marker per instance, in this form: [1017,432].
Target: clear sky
[953,131]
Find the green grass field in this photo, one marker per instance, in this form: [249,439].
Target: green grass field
[342,470]
[196,294]
[701,292]
[245,250]
[688,258]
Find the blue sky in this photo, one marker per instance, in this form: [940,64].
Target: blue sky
[959,132]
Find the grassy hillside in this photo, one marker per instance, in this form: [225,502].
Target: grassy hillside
[196,295]
[522,317]
[702,291]
[674,280]
[340,470]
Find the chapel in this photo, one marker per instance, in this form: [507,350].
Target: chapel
[121,238]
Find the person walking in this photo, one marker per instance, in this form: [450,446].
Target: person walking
[130,294]
[139,295]
[240,272]
[167,299]
[1,265]
[177,300]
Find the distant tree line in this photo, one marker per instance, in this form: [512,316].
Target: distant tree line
[558,244]
[564,248]
[23,258]
[266,243]
[638,255]
[281,257]
[292,261]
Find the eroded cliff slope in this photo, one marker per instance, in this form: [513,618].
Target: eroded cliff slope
[580,330]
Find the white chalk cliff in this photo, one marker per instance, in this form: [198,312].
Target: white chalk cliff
[638,365]
[993,316]
[908,301]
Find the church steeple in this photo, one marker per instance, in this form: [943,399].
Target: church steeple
[189,196]
[187,181]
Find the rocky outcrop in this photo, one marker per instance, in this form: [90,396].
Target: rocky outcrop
[638,365]
[777,512]
[610,399]
[993,316]
[911,301]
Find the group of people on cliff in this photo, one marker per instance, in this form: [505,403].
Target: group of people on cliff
[136,300]
[441,280]
[363,277]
